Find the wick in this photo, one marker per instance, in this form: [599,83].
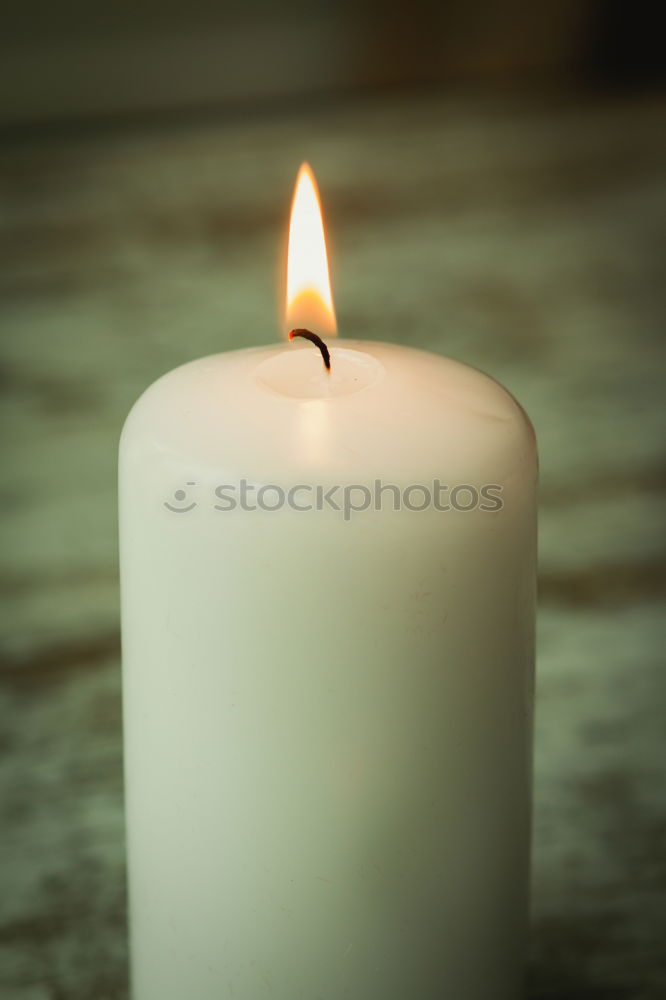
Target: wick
[317,341]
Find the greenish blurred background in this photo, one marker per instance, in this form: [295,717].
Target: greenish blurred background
[493,179]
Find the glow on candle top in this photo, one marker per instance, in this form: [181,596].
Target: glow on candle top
[309,299]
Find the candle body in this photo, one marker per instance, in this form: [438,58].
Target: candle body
[327,712]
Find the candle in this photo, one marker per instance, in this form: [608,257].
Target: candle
[328,616]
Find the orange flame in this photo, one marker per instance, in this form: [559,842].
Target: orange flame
[309,298]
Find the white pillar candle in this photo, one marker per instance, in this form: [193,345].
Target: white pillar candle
[327,712]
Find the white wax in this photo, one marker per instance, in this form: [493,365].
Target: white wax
[327,720]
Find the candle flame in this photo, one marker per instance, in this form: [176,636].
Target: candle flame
[309,298]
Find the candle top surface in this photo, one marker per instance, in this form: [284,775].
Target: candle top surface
[275,412]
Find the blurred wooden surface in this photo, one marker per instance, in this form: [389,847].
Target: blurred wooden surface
[76,59]
[524,239]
